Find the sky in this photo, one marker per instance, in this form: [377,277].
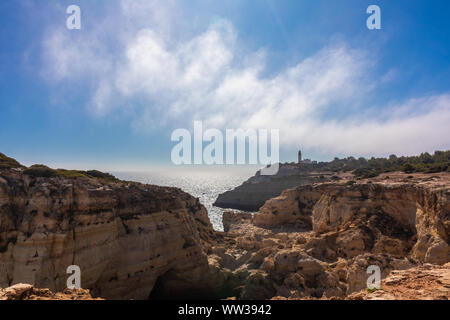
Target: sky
[110,94]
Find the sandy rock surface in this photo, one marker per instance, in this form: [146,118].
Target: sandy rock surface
[427,282]
[124,236]
[317,241]
[28,292]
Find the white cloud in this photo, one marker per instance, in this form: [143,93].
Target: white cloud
[169,82]
[411,133]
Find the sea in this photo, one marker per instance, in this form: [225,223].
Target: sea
[205,182]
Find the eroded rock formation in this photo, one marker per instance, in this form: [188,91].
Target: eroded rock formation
[254,192]
[126,237]
[318,240]
[135,241]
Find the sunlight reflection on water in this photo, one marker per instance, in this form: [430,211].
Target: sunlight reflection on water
[203,183]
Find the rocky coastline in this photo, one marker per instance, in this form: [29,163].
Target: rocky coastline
[254,192]
[135,241]
[317,241]
[124,236]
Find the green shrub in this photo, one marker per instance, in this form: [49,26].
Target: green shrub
[7,162]
[100,175]
[438,162]
[407,168]
[39,170]
[371,175]
[69,173]
[371,290]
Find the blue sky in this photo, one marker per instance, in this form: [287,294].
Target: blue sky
[110,95]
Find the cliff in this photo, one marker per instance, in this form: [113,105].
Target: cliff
[254,192]
[130,240]
[318,240]
[135,241]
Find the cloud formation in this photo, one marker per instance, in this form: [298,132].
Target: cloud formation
[167,81]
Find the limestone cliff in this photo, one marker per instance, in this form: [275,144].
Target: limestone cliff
[417,216]
[318,240]
[127,238]
[254,192]
[135,241]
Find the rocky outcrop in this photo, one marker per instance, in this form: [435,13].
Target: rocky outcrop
[394,218]
[319,240]
[130,240]
[427,282]
[293,208]
[254,192]
[28,292]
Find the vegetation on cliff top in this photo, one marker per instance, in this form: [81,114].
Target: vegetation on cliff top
[7,162]
[367,168]
[361,167]
[40,170]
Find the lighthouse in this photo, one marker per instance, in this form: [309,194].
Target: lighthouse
[299,156]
